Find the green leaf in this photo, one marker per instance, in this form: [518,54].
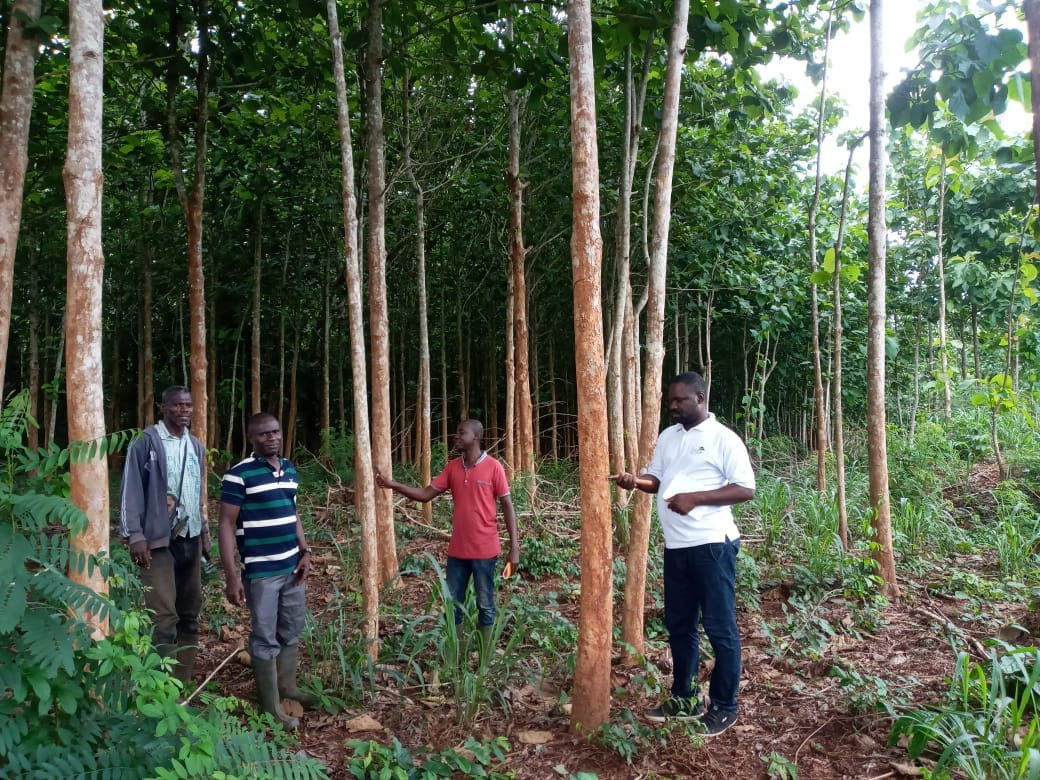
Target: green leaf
[828,260]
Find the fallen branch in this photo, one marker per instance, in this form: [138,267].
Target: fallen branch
[212,674]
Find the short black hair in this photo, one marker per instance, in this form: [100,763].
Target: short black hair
[691,379]
[173,390]
[256,419]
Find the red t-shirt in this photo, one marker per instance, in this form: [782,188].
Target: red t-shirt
[474,527]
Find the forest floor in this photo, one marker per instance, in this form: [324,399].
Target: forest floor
[795,712]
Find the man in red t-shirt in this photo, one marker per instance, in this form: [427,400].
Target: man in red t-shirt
[475,480]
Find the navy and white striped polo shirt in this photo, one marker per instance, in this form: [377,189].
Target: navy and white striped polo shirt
[266,525]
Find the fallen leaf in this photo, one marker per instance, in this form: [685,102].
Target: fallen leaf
[244,658]
[292,708]
[363,723]
[534,737]
[907,770]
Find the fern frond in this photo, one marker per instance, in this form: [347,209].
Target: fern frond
[48,641]
[51,585]
[12,728]
[14,420]
[249,754]
[35,512]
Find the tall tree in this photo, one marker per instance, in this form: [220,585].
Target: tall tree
[16,99]
[518,271]
[379,325]
[592,668]
[86,265]
[364,487]
[635,584]
[877,443]
[191,201]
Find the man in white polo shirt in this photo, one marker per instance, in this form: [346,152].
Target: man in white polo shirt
[700,468]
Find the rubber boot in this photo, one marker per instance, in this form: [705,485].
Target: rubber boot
[485,639]
[187,652]
[265,672]
[288,663]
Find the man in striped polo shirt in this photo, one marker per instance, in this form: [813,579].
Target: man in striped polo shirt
[258,509]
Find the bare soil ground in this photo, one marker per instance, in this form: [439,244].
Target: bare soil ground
[790,706]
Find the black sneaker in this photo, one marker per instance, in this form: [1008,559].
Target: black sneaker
[715,721]
[676,709]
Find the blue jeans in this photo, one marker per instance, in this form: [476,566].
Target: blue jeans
[457,574]
[700,586]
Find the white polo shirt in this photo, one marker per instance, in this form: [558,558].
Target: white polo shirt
[706,457]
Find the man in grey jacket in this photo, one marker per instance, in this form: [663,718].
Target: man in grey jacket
[163,519]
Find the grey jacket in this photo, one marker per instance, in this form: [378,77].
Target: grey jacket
[143,514]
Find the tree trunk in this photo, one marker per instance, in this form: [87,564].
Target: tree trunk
[281,333]
[591,700]
[814,305]
[86,264]
[377,305]
[518,270]
[424,422]
[657,270]
[289,425]
[16,99]
[838,422]
[325,423]
[146,376]
[257,402]
[192,202]
[33,437]
[877,444]
[511,461]
[364,486]
[944,357]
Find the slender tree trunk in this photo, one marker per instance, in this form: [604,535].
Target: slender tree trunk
[57,382]
[281,331]
[289,426]
[591,704]
[33,437]
[146,376]
[86,265]
[821,419]
[838,422]
[635,584]
[518,270]
[364,486]
[1032,13]
[554,423]
[192,202]
[16,99]
[975,350]
[877,444]
[512,463]
[232,406]
[254,359]
[445,395]
[378,316]
[424,422]
[944,357]
[325,424]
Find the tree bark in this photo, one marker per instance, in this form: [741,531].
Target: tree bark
[16,99]
[256,401]
[940,270]
[591,701]
[364,485]
[86,264]
[377,304]
[192,202]
[877,444]
[814,305]
[839,414]
[657,269]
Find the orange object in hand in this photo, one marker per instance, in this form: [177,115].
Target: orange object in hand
[507,572]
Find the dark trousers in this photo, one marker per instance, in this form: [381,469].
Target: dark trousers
[173,591]
[700,587]
[458,573]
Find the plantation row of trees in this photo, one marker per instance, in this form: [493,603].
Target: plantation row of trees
[641,144]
